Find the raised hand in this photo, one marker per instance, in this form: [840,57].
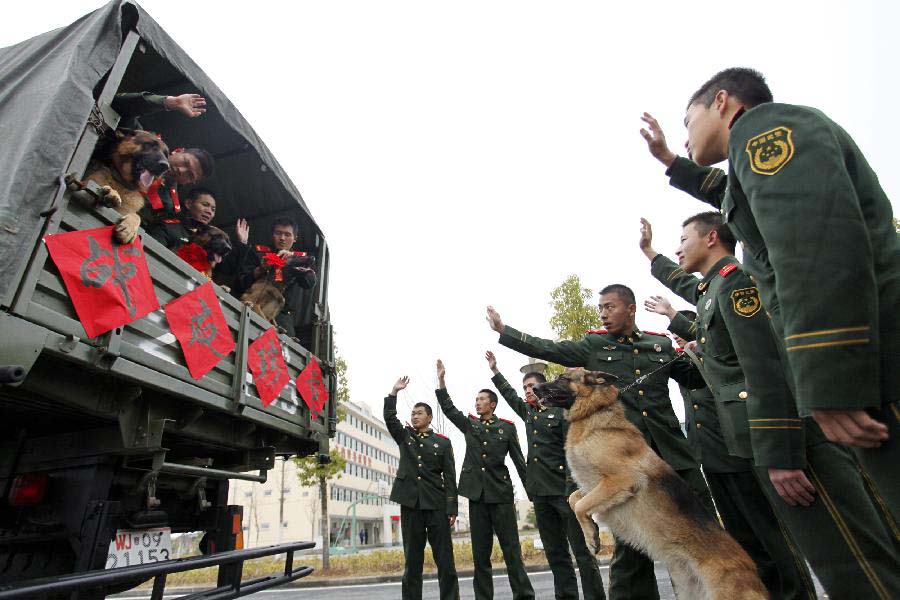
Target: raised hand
[441,371]
[190,105]
[646,241]
[656,141]
[492,361]
[493,319]
[400,385]
[659,305]
[243,231]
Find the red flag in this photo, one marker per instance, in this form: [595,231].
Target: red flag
[311,387]
[266,362]
[199,325]
[109,284]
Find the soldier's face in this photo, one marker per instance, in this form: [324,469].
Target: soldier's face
[419,418]
[283,237]
[707,134]
[528,387]
[484,405]
[202,209]
[186,168]
[693,250]
[616,314]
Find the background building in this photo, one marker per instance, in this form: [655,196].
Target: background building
[283,510]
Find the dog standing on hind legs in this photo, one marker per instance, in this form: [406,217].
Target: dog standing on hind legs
[640,497]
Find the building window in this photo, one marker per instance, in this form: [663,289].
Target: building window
[267,492]
[305,494]
[285,524]
[264,526]
[248,494]
[286,490]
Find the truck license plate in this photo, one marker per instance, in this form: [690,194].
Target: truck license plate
[139,547]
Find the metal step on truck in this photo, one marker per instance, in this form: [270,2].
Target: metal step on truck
[108,445]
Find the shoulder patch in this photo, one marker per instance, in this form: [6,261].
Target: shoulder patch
[506,420]
[441,435]
[597,331]
[298,253]
[665,335]
[262,248]
[171,221]
[746,302]
[770,151]
[476,417]
[728,269]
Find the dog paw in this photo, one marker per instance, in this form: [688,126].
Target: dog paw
[110,197]
[127,228]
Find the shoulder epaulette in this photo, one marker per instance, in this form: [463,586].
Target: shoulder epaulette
[679,350]
[298,253]
[597,331]
[506,420]
[262,248]
[728,269]
[477,418]
[171,221]
[665,335]
[441,435]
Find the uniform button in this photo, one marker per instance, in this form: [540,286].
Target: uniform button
[644,413]
[640,392]
[703,340]
[742,395]
[535,445]
[482,468]
[419,477]
[696,407]
[636,351]
[535,432]
[699,425]
[420,464]
[420,445]
[484,456]
[561,467]
[534,460]
[637,371]
[701,359]
[419,457]
[485,443]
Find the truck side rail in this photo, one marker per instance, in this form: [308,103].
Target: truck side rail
[232,587]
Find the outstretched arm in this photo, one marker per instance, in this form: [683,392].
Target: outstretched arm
[566,353]
[443,397]
[506,390]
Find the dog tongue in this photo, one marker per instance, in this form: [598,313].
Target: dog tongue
[146,179]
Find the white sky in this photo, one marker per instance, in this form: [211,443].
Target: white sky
[471,153]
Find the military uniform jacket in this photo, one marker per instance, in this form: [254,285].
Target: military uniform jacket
[293,312]
[740,362]
[702,419]
[647,405]
[485,477]
[547,473]
[808,207]
[175,233]
[426,477]
[131,105]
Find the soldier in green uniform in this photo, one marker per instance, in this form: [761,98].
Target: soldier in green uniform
[425,489]
[646,360]
[549,483]
[718,429]
[739,358]
[800,196]
[485,482]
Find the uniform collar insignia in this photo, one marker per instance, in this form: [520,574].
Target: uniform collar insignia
[701,287]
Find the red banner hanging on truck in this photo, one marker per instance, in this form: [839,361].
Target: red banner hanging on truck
[199,325]
[311,386]
[109,283]
[267,364]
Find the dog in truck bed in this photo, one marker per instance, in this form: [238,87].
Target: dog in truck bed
[640,497]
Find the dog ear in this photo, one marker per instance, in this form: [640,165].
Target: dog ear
[124,132]
[599,378]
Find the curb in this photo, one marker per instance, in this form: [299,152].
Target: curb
[341,581]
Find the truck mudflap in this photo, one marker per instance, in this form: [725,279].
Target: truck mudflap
[230,586]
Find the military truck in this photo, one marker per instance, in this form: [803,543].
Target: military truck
[107,444]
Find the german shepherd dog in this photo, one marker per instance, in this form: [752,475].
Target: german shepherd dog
[266,296]
[640,497]
[213,243]
[125,164]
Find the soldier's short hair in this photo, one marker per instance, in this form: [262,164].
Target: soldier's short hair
[707,221]
[200,191]
[205,159]
[286,222]
[423,405]
[535,375]
[747,85]
[491,394]
[624,292]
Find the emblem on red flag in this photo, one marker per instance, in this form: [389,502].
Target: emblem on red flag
[311,386]
[199,325]
[266,362]
[109,284]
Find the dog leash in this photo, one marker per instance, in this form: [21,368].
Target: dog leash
[644,378]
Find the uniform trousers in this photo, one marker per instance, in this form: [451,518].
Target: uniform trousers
[485,519]
[417,527]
